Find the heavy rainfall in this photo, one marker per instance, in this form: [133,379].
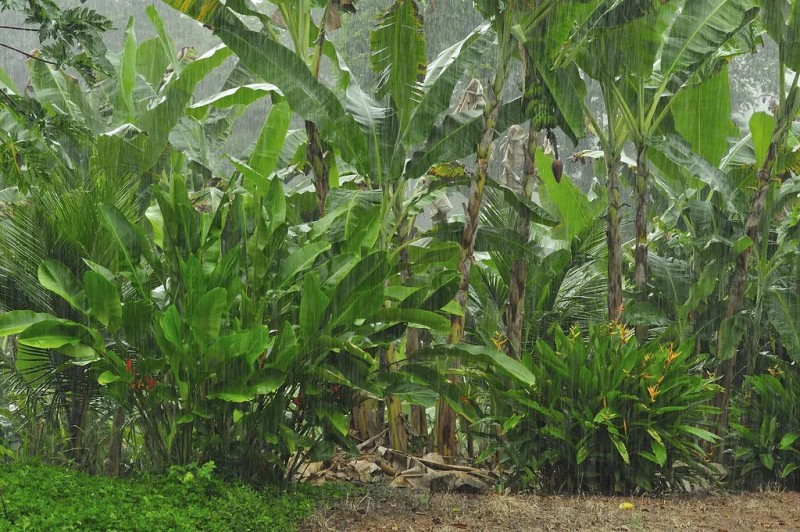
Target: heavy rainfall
[399,264]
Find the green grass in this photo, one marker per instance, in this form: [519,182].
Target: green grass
[39,497]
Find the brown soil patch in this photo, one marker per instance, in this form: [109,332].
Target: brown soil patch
[387,509]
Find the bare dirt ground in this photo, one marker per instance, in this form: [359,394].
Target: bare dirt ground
[396,509]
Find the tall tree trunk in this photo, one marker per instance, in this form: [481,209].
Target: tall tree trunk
[445,415]
[397,426]
[316,157]
[640,222]
[614,241]
[519,270]
[316,147]
[419,419]
[738,281]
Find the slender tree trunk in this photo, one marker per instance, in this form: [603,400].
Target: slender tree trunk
[519,270]
[640,222]
[419,419]
[397,427]
[446,416]
[114,459]
[738,280]
[316,147]
[316,157]
[614,241]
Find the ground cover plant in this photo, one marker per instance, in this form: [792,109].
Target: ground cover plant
[545,249]
[41,497]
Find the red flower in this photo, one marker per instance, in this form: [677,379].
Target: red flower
[149,383]
[129,366]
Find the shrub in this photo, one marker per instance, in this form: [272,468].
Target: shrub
[608,415]
[766,428]
[39,497]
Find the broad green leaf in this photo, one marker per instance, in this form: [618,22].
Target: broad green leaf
[119,155]
[413,317]
[55,87]
[129,240]
[621,449]
[788,440]
[207,315]
[659,452]
[285,348]
[232,395]
[398,57]
[783,307]
[54,333]
[492,356]
[56,277]
[172,326]
[761,127]
[313,305]
[702,114]
[16,321]
[774,14]
[167,46]
[277,64]
[301,259]
[107,378]
[337,419]
[152,61]
[270,141]
[8,83]
[103,297]
[703,434]
[790,43]
[678,152]
[700,29]
[244,95]
[441,77]
[455,138]
[123,102]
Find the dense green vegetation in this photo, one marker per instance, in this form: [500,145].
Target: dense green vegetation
[37,497]
[172,298]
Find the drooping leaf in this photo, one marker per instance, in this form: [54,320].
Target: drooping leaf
[398,57]
[104,300]
[701,28]
[59,279]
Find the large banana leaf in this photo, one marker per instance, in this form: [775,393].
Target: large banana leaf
[276,64]
[676,158]
[701,28]
[454,138]
[442,75]
[398,57]
[702,115]
[118,155]
[783,307]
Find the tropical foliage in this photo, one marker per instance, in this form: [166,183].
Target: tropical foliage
[169,300]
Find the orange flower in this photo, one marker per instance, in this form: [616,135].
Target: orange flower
[653,391]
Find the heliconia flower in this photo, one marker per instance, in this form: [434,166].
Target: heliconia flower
[129,365]
[149,383]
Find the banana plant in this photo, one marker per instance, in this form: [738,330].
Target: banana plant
[781,20]
[685,44]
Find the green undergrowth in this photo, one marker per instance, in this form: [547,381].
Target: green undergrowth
[40,497]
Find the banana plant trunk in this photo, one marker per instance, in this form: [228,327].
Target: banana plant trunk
[519,270]
[614,241]
[640,223]
[316,148]
[738,280]
[445,415]
[316,158]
